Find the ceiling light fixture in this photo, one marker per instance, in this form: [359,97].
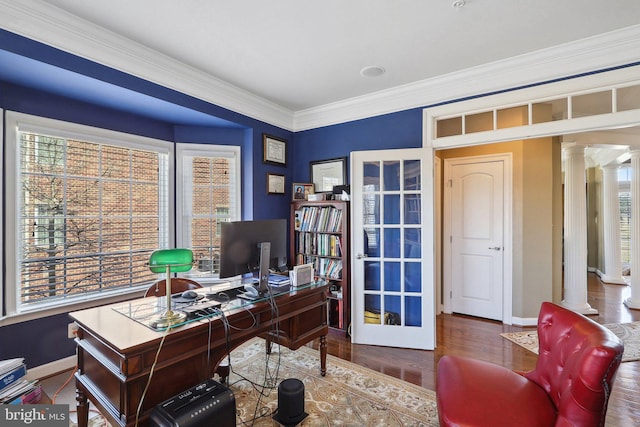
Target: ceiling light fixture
[372,71]
[458,4]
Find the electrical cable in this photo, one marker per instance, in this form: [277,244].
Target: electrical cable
[210,319]
[151,371]
[271,378]
[66,383]
[271,374]
[55,395]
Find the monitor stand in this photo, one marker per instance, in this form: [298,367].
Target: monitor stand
[263,275]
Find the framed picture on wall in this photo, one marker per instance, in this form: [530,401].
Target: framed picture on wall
[325,174]
[275,183]
[274,150]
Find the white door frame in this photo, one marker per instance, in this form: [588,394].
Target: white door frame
[529,96]
[507,265]
[437,182]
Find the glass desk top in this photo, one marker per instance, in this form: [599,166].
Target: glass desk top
[147,311]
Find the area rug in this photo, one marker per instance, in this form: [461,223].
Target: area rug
[629,333]
[349,395]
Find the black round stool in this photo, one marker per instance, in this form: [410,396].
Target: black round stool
[290,403]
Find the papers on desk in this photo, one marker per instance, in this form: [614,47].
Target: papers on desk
[277,281]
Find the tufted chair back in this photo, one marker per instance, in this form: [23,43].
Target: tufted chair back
[576,366]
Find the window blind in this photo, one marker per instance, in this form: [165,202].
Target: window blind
[210,183]
[90,214]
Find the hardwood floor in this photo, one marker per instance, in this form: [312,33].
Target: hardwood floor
[480,339]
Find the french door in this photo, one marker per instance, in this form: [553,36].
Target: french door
[393,297]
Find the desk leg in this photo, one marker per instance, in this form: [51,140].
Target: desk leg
[323,355]
[223,371]
[82,408]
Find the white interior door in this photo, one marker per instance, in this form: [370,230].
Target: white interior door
[393,298]
[475,202]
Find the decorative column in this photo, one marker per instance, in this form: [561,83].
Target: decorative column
[634,299]
[575,232]
[611,225]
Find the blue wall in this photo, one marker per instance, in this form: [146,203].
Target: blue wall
[34,339]
[396,130]
[116,101]
[147,109]
[34,79]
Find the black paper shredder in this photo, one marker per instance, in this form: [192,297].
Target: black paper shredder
[206,404]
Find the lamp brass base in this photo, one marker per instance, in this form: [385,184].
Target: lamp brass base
[168,319]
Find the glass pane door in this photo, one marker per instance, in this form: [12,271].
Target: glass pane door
[394,297]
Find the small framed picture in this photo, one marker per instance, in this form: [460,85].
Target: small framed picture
[275,183]
[274,150]
[325,174]
[301,191]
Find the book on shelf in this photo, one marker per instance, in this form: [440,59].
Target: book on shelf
[327,245]
[320,219]
[297,219]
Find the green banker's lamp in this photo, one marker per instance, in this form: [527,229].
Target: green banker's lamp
[170,261]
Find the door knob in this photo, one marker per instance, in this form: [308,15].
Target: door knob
[495,248]
[360,256]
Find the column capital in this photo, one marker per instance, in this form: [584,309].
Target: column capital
[574,148]
[573,152]
[610,167]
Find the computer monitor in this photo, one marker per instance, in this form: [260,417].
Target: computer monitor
[240,241]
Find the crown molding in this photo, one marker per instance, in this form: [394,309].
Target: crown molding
[52,26]
[604,51]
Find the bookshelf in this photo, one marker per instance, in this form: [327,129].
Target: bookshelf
[320,235]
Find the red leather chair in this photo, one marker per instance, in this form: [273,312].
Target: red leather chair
[570,385]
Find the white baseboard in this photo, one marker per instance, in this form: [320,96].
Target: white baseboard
[524,321]
[52,368]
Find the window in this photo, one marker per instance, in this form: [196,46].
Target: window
[209,186]
[91,205]
[624,196]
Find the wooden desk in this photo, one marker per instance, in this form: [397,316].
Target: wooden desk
[116,353]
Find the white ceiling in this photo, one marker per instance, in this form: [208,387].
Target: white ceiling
[296,64]
[306,54]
